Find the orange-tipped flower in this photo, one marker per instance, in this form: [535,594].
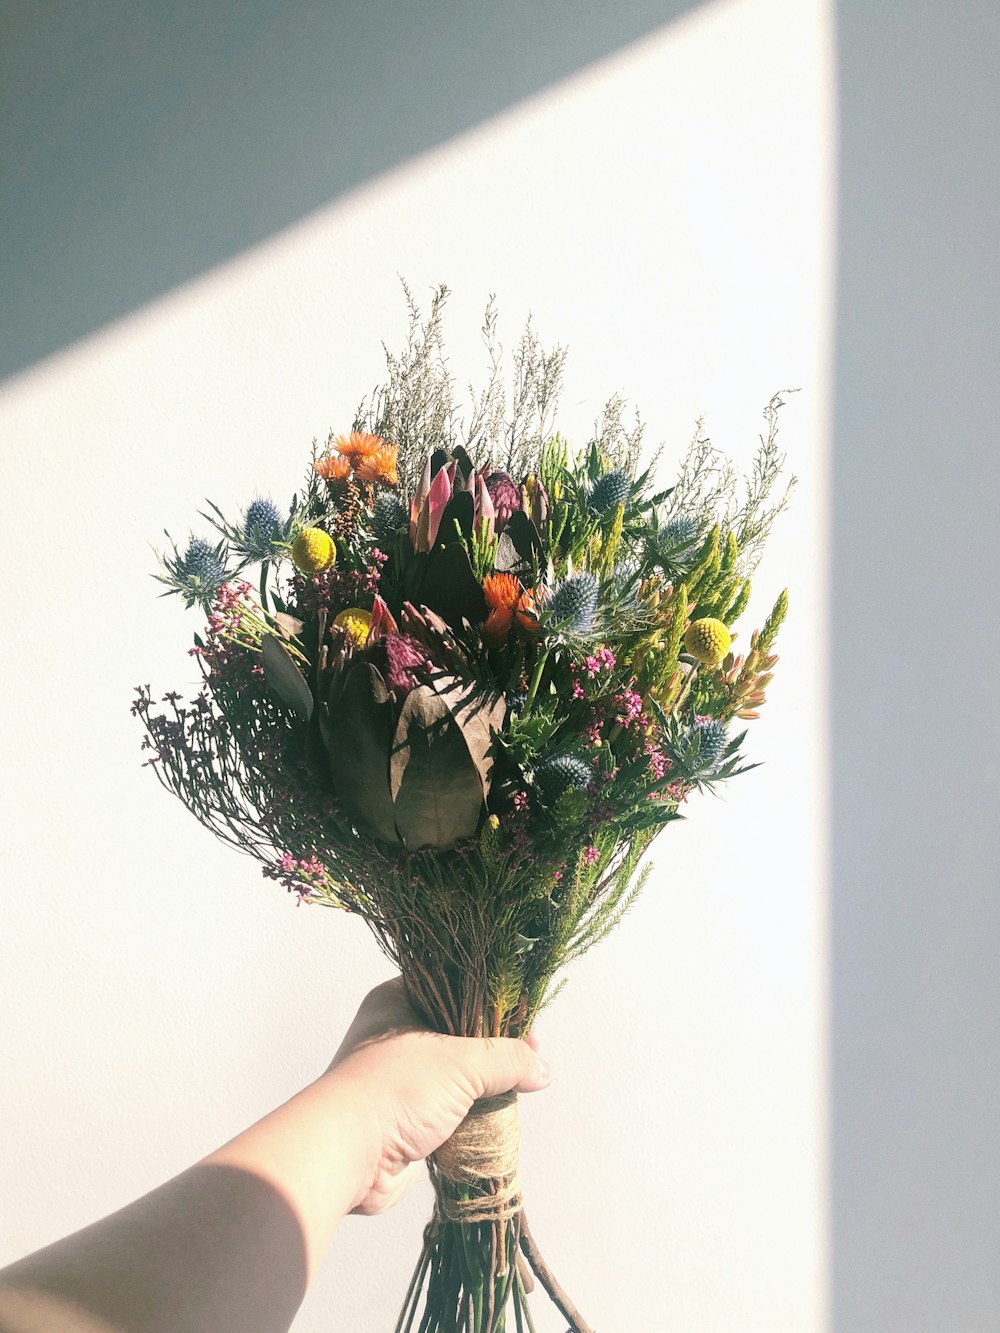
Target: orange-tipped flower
[497,626]
[527,619]
[332,468]
[357,447]
[378,465]
[502,591]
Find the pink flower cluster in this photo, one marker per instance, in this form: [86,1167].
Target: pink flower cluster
[593,665]
[602,660]
[337,588]
[659,763]
[299,875]
[629,704]
[590,855]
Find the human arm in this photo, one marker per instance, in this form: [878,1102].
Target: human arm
[234,1241]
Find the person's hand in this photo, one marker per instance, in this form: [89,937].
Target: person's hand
[415,1087]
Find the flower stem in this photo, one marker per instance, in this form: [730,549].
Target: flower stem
[263,584]
[527,1308]
[536,678]
[577,1324]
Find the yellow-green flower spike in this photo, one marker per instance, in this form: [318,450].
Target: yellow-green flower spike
[313,551]
[355,623]
[708,640]
[491,841]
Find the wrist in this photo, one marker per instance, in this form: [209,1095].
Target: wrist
[354,1125]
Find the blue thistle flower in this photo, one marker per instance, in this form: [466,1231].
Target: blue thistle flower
[262,524]
[572,605]
[610,491]
[680,533]
[199,573]
[702,746]
[559,773]
[388,516]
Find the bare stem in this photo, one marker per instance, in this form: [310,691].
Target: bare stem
[577,1324]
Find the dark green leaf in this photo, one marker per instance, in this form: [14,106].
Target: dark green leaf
[436,788]
[449,586]
[460,510]
[359,730]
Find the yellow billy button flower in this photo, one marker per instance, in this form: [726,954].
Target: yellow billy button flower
[708,640]
[313,551]
[355,623]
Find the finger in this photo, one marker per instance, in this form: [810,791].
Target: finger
[505,1064]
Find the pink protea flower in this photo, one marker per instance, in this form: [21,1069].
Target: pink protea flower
[428,505]
[484,523]
[404,657]
[506,497]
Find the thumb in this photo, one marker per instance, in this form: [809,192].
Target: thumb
[506,1064]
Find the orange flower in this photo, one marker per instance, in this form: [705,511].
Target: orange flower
[501,591]
[527,621]
[332,468]
[497,625]
[357,447]
[379,465]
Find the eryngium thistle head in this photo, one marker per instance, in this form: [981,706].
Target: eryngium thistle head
[559,773]
[388,516]
[680,533]
[199,573]
[262,523]
[572,604]
[609,491]
[506,497]
[704,744]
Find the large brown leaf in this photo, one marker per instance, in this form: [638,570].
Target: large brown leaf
[285,678]
[359,733]
[519,548]
[448,586]
[478,714]
[436,788]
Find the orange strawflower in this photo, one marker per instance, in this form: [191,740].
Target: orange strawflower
[332,468]
[527,621]
[357,446]
[378,465]
[501,591]
[497,626]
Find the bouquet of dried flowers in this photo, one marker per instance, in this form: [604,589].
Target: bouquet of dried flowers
[476,673]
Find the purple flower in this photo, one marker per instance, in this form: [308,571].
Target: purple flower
[506,497]
[404,657]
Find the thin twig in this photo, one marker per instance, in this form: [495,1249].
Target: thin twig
[541,1270]
[527,1279]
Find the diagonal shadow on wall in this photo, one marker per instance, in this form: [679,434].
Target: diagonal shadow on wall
[145,142]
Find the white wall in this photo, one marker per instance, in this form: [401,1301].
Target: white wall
[668,213]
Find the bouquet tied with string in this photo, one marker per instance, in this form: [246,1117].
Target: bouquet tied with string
[457,688]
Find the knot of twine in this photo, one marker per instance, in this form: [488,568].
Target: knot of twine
[482,1152]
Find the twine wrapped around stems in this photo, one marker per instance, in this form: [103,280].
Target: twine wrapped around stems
[483,1152]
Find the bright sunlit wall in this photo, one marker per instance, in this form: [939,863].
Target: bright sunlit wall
[666,213]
